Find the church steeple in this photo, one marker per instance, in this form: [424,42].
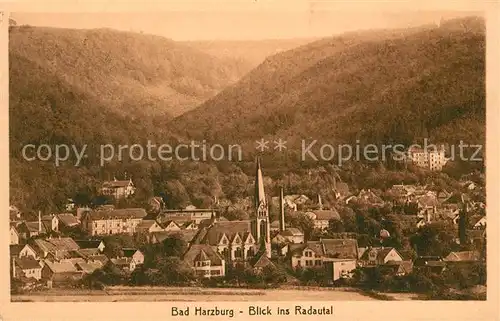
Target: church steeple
[261,223]
[260,195]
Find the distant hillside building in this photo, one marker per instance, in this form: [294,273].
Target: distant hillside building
[112,221]
[118,189]
[433,159]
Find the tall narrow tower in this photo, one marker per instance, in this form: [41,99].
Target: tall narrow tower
[261,225]
[282,211]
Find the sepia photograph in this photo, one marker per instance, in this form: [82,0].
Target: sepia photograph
[247,155]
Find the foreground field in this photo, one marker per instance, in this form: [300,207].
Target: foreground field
[149,294]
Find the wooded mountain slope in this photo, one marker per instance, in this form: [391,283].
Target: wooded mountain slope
[397,85]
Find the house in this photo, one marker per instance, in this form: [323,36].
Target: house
[192,214]
[340,268]
[124,263]
[322,218]
[67,220]
[60,272]
[427,207]
[28,251]
[367,197]
[186,235]
[261,262]
[380,255]
[118,189]
[51,222]
[55,248]
[191,225]
[431,158]
[478,223]
[433,264]
[88,267]
[315,253]
[463,256]
[275,226]
[14,235]
[148,226]
[397,268]
[29,230]
[27,267]
[340,190]
[289,235]
[134,254]
[170,226]
[90,244]
[112,221]
[70,205]
[156,204]
[205,261]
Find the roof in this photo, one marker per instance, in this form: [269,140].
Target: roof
[33,227]
[402,266]
[129,252]
[195,250]
[15,249]
[315,246]
[463,256]
[326,215]
[88,244]
[369,196]
[202,256]
[121,261]
[61,266]
[292,231]
[101,258]
[89,267]
[381,252]
[229,228]
[340,248]
[26,263]
[89,252]
[263,261]
[145,224]
[427,201]
[116,184]
[68,219]
[122,213]
[57,247]
[186,235]
[275,224]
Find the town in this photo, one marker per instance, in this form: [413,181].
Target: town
[408,238]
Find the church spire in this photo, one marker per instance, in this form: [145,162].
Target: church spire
[260,195]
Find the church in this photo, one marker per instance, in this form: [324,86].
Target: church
[240,241]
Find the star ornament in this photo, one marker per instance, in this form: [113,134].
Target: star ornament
[262,144]
[280,144]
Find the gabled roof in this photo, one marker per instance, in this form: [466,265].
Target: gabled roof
[229,228]
[88,244]
[123,261]
[123,213]
[89,267]
[68,219]
[15,249]
[101,258]
[145,224]
[57,247]
[327,215]
[129,252]
[463,256]
[194,252]
[428,201]
[26,263]
[202,256]
[263,261]
[61,266]
[292,231]
[116,184]
[186,235]
[340,248]
[33,227]
[381,252]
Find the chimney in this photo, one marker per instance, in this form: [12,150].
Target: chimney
[39,221]
[428,216]
[320,203]
[282,211]
[14,267]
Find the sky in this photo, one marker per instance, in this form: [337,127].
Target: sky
[240,19]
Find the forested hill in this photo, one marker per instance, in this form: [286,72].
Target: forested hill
[375,86]
[131,73]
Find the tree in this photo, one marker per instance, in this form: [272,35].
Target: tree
[304,223]
[174,246]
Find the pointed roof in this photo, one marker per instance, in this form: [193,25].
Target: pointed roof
[202,256]
[263,261]
[260,196]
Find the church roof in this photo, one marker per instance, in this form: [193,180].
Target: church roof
[194,253]
[215,232]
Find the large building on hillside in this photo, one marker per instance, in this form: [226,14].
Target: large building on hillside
[112,221]
[118,189]
[432,159]
[241,240]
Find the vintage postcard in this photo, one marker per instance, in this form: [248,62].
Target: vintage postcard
[250,159]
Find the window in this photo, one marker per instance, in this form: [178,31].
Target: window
[216,272]
[308,254]
[318,262]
